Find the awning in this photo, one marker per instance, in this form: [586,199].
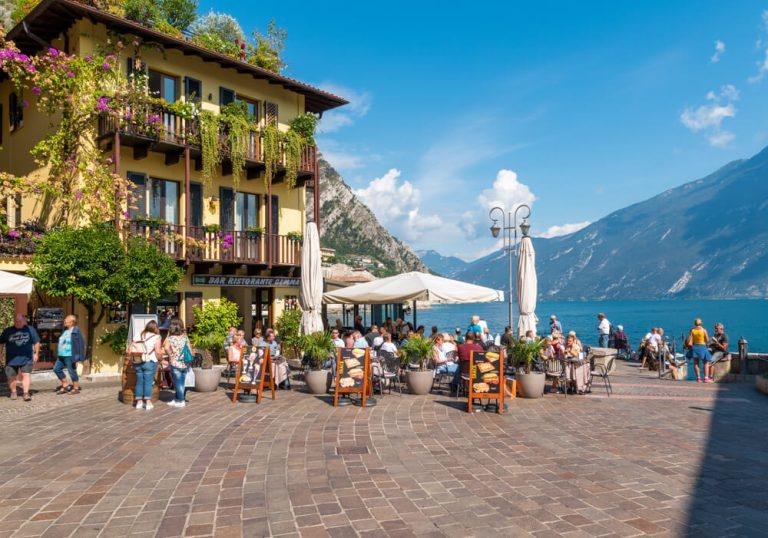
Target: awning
[413,286]
[11,283]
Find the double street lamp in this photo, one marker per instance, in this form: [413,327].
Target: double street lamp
[510,226]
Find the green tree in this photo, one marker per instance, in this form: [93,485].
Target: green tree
[82,263]
[268,51]
[146,274]
[223,26]
[145,12]
[179,13]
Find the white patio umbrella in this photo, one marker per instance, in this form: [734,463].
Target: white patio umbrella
[527,287]
[414,286]
[311,293]
[11,283]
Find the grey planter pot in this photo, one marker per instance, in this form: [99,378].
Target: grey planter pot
[317,381]
[419,383]
[207,380]
[532,384]
[761,383]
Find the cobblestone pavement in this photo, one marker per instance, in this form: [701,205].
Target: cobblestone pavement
[657,457]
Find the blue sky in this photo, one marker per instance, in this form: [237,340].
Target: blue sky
[580,108]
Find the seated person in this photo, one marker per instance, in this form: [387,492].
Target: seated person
[572,347]
[360,341]
[577,373]
[718,344]
[258,339]
[448,344]
[337,341]
[442,364]
[465,351]
[280,369]
[621,341]
[387,345]
[236,348]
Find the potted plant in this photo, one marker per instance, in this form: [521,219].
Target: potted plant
[207,376]
[212,228]
[416,353]
[523,354]
[254,232]
[295,236]
[212,323]
[317,347]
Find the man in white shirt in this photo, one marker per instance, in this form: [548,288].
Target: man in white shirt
[387,345]
[603,330]
[337,341]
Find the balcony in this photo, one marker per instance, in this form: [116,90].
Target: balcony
[224,246]
[153,127]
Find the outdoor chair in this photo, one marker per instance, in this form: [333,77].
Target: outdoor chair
[601,371]
[445,379]
[390,366]
[556,370]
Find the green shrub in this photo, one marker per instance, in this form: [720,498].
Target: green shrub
[417,350]
[145,12]
[317,348]
[212,323]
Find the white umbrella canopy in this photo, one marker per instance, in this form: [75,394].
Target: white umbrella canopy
[527,287]
[311,292]
[414,286]
[11,283]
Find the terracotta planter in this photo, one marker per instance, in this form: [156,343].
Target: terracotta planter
[419,382]
[207,380]
[532,384]
[317,381]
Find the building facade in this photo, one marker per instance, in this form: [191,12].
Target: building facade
[241,242]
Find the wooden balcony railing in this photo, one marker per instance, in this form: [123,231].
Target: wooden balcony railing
[154,122]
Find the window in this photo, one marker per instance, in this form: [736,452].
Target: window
[15,112]
[226,96]
[156,198]
[193,89]
[246,210]
[163,86]
[196,204]
[252,108]
[226,208]
[275,215]
[138,198]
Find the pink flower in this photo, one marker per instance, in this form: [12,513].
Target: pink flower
[103,104]
[14,233]
[106,66]
[88,59]
[36,90]
[70,74]
[78,195]
[53,52]
[126,214]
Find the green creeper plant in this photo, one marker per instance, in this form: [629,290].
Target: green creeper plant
[116,339]
[271,138]
[305,125]
[294,146]
[209,144]
[235,117]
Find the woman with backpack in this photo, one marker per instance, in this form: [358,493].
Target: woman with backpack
[145,370]
[178,350]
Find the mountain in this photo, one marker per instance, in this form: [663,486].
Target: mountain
[349,227]
[704,239]
[447,266]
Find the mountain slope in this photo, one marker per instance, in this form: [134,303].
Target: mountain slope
[447,266]
[349,227]
[705,239]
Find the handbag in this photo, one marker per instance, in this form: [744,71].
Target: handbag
[189,379]
[186,354]
[137,351]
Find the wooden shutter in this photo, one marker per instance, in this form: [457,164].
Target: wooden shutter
[270,113]
[192,299]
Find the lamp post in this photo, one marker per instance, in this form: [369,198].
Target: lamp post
[509,226]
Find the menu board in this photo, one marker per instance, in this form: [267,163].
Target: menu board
[353,368]
[254,372]
[486,377]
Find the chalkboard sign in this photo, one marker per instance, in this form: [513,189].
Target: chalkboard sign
[486,377]
[254,372]
[353,373]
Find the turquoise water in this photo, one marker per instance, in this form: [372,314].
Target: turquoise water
[747,318]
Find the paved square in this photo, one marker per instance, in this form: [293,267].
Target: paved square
[657,457]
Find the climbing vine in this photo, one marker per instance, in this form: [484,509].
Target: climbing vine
[209,144]
[294,146]
[271,137]
[73,92]
[235,117]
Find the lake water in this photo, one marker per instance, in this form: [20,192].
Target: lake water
[747,318]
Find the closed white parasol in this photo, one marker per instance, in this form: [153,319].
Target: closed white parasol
[311,296]
[527,287]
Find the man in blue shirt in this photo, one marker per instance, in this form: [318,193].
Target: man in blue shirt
[22,346]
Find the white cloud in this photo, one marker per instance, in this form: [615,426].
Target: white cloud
[506,192]
[710,117]
[565,229]
[341,160]
[359,105]
[719,51]
[762,45]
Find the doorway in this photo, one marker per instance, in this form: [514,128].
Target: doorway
[261,308]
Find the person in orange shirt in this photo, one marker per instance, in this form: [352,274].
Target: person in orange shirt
[697,344]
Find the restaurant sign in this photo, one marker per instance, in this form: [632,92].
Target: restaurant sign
[246,281]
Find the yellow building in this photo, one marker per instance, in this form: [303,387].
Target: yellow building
[211,234]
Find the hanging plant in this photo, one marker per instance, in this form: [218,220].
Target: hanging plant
[271,142]
[294,146]
[209,143]
[305,125]
[235,117]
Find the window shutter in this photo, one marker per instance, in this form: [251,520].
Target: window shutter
[270,113]
[226,96]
